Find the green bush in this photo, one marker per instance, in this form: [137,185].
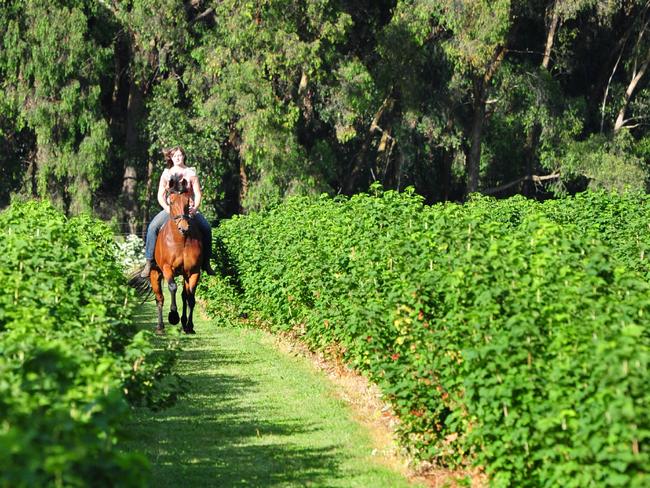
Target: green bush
[70,358]
[510,333]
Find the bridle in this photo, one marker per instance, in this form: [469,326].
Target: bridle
[187,217]
[183,216]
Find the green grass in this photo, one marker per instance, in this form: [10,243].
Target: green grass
[253,416]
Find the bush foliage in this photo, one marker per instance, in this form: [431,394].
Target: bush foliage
[70,358]
[512,334]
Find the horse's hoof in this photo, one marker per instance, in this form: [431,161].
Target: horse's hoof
[173,317]
[160,331]
[188,330]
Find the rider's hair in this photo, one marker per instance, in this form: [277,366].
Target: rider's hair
[168,153]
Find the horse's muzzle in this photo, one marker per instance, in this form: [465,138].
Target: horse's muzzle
[183,226]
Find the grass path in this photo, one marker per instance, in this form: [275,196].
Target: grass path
[253,416]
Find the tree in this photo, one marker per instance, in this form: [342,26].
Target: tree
[279,97]
[51,74]
[256,74]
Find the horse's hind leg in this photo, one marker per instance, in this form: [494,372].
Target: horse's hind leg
[156,281]
[189,292]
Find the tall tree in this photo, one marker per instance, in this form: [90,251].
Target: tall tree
[256,73]
[278,97]
[50,72]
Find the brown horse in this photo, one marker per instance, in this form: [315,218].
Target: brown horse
[179,252]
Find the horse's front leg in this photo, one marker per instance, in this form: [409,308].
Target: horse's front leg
[184,296]
[156,281]
[173,310]
[189,292]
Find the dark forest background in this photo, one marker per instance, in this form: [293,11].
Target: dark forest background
[273,98]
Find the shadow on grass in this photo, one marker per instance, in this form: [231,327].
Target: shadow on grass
[212,437]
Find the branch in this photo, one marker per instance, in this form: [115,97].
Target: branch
[637,117]
[374,125]
[534,178]
[630,91]
[631,126]
[621,44]
[550,36]
[207,12]
[497,57]
[636,74]
[609,82]
[625,124]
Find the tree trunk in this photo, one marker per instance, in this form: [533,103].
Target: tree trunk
[147,199]
[550,36]
[129,199]
[481,91]
[532,137]
[446,176]
[134,114]
[242,181]
[534,178]
[33,173]
[616,53]
[400,165]
[129,183]
[476,137]
[361,161]
[243,186]
[631,87]
[120,95]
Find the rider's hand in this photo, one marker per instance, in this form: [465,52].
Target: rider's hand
[192,211]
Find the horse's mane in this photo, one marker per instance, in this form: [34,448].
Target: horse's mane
[177,184]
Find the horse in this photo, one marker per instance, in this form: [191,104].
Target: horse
[178,252]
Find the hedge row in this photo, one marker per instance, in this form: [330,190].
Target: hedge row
[622,223]
[70,360]
[510,333]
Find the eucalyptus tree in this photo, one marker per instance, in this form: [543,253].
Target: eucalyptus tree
[150,40]
[607,47]
[278,97]
[514,87]
[257,72]
[416,122]
[440,61]
[635,46]
[51,74]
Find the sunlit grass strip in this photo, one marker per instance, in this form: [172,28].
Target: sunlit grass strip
[254,416]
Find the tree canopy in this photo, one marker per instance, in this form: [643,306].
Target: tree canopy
[273,98]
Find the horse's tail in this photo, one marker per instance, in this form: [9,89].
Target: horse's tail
[142,285]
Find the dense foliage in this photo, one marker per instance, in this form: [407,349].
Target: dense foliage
[282,97]
[70,358]
[510,333]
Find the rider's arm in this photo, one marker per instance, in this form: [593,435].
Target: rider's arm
[196,188]
[162,193]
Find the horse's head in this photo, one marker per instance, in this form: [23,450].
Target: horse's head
[179,203]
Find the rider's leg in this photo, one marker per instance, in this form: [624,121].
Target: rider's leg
[150,245]
[206,231]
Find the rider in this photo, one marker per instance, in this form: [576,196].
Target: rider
[175,159]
